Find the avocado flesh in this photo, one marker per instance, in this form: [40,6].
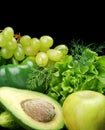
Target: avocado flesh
[12,98]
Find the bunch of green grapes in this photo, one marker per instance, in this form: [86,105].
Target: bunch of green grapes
[7,43]
[9,46]
[38,48]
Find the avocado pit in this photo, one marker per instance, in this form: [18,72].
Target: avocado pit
[39,109]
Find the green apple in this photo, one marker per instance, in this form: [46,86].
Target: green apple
[84,110]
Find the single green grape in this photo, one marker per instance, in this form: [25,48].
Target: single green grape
[46,41]
[2,40]
[29,51]
[19,53]
[6,53]
[8,33]
[63,48]
[25,40]
[35,45]
[54,55]
[41,59]
[43,49]
[29,60]
[11,45]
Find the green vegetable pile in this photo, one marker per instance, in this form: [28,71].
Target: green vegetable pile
[56,73]
[86,73]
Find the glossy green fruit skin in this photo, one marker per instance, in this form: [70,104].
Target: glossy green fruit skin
[84,110]
[16,75]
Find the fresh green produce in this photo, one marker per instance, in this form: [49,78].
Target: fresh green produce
[19,53]
[54,55]
[7,121]
[63,48]
[42,59]
[15,46]
[46,42]
[8,33]
[17,75]
[14,75]
[71,75]
[34,64]
[39,79]
[76,48]
[27,75]
[32,110]
[25,40]
[17,49]
[8,43]
[84,110]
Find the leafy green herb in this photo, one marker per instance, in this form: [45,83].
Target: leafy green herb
[76,47]
[39,79]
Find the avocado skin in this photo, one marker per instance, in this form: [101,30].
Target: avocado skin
[11,98]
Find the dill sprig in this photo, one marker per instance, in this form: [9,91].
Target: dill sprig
[39,79]
[76,47]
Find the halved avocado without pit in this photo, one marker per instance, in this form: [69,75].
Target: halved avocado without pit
[32,110]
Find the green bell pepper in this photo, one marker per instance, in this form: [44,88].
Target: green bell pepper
[16,75]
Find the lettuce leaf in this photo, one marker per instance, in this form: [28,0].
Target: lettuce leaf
[86,73]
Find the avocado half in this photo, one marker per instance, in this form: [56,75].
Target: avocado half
[32,110]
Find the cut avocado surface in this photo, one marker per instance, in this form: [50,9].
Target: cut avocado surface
[33,110]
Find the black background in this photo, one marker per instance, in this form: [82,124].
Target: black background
[63,21]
